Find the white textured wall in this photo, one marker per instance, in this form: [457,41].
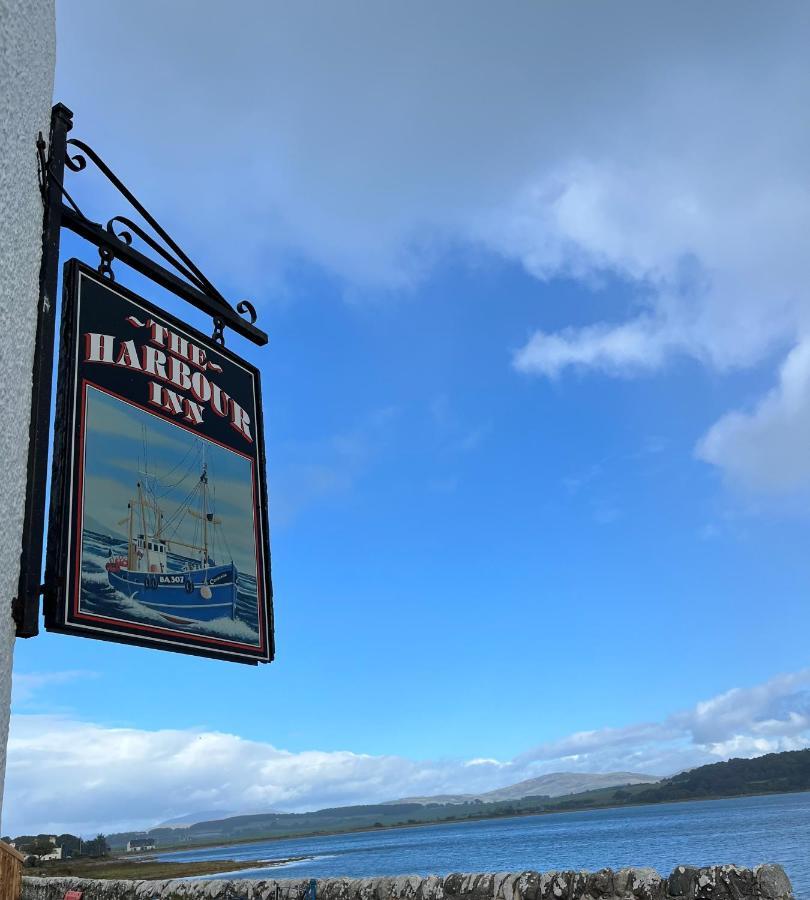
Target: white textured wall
[27,56]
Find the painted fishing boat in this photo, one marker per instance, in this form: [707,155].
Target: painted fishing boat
[200,590]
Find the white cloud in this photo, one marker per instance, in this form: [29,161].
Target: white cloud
[625,348]
[66,774]
[777,709]
[716,277]
[768,448]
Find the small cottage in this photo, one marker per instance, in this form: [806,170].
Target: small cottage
[140,845]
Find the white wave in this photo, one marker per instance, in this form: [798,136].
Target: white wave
[95,578]
[296,862]
[229,628]
[95,559]
[271,866]
[130,607]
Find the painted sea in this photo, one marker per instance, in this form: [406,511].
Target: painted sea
[100,598]
[746,831]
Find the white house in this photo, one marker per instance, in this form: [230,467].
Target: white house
[139,845]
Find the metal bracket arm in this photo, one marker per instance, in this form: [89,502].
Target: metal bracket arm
[101,237]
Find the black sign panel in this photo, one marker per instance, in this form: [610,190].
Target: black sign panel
[158,532]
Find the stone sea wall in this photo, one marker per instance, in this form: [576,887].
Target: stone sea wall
[768,882]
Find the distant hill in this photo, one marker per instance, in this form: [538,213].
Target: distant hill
[558,784]
[772,773]
[192,818]
[555,784]
[211,815]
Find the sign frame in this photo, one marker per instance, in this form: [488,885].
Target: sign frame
[63,566]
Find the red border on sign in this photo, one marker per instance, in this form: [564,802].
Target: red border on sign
[191,638]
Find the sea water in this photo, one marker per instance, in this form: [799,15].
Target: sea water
[746,831]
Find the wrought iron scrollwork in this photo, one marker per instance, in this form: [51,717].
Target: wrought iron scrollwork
[45,174]
[75,163]
[244,307]
[152,234]
[123,234]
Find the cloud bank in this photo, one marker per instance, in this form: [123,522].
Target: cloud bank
[660,144]
[70,775]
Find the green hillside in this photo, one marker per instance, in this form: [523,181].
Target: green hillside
[772,773]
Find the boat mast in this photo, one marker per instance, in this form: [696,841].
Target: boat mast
[130,555]
[204,480]
[143,527]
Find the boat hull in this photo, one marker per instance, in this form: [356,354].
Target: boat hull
[177,596]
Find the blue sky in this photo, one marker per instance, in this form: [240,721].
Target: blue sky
[537,397]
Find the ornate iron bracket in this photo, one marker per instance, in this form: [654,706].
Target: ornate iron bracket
[114,241]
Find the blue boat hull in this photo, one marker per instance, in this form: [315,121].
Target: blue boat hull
[176,595]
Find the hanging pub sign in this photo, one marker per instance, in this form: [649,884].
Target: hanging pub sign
[158,527]
[159,531]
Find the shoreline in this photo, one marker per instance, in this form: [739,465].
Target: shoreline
[190,848]
[154,869]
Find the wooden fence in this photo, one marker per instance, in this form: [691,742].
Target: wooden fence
[11,863]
